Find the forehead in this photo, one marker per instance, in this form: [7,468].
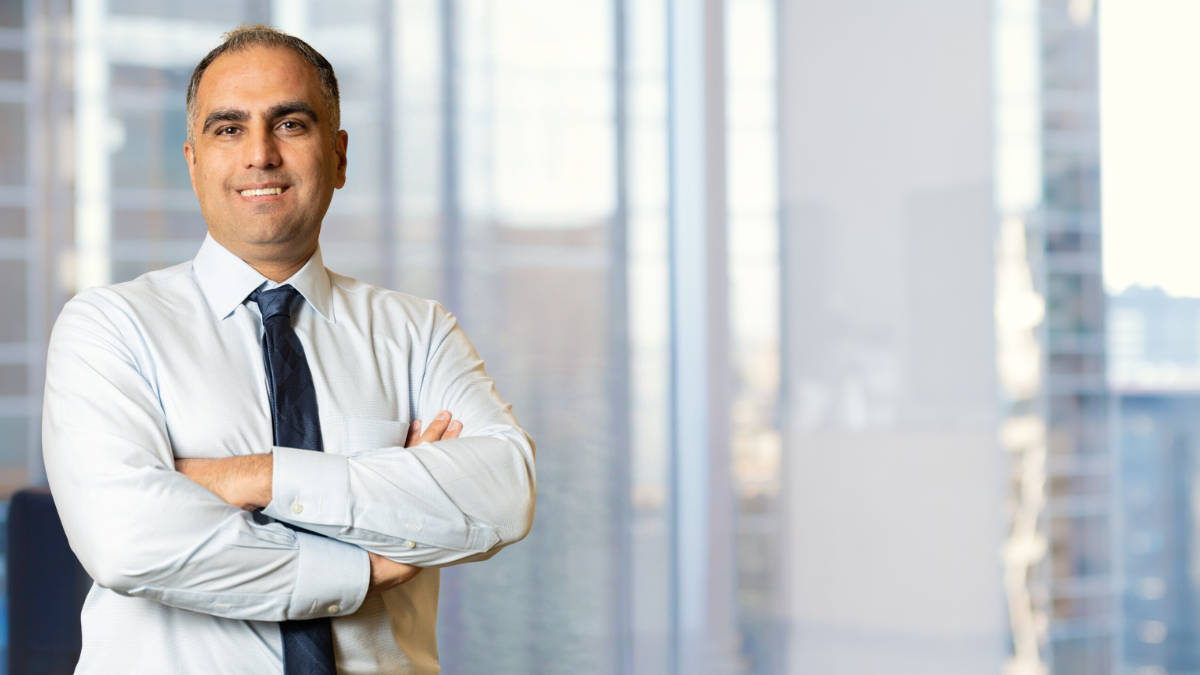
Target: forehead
[258,77]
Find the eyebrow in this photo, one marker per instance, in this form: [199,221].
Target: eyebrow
[292,108]
[274,112]
[224,115]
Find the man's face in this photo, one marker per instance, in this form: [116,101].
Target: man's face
[261,129]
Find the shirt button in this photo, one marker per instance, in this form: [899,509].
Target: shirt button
[297,508]
[410,544]
[334,609]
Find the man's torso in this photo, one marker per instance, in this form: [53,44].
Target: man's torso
[367,367]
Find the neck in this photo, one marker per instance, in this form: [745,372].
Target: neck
[278,270]
[278,261]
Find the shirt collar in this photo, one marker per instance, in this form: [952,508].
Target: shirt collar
[226,280]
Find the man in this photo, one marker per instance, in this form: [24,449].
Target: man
[235,444]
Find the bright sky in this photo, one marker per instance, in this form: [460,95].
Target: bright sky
[1150,134]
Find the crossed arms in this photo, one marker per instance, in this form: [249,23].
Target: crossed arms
[143,527]
[245,481]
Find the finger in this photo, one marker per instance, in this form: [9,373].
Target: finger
[452,430]
[414,432]
[436,428]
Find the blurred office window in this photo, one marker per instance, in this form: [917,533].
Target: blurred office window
[512,160]
[907,204]
[892,470]
[646,204]
[536,223]
[17,359]
[34,231]
[754,322]
[20,299]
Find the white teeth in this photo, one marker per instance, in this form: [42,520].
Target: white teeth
[263,191]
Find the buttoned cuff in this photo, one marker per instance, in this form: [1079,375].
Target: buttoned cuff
[309,487]
[333,578]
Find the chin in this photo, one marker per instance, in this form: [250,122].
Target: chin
[272,233]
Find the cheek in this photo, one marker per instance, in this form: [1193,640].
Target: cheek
[212,170]
[311,166]
[202,176]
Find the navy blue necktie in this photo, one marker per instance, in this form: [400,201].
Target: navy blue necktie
[308,644]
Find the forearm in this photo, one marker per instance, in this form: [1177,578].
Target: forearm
[153,534]
[245,482]
[436,504]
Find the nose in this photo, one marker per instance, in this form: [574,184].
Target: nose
[261,150]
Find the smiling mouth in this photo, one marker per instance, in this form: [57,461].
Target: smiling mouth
[261,192]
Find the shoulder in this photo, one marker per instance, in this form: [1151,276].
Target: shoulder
[383,303]
[152,287]
[121,307]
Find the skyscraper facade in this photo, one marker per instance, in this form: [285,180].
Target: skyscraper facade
[1059,573]
[1154,375]
[1078,571]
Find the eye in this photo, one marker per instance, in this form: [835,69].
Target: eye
[290,125]
[226,131]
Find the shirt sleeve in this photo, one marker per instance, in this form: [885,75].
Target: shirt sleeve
[142,529]
[436,504]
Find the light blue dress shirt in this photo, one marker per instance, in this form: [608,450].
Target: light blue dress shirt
[170,365]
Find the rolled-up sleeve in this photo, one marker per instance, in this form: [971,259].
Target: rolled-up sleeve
[435,504]
[142,529]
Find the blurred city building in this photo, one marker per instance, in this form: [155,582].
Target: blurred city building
[1154,372]
[1078,571]
[1059,576]
[1153,342]
[752,273]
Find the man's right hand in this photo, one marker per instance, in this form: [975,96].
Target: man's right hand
[386,573]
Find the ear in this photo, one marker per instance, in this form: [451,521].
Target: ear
[343,139]
[189,154]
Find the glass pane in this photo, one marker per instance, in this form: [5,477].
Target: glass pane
[12,222]
[535,165]
[14,451]
[13,301]
[12,14]
[754,320]
[12,145]
[891,472]
[12,65]
[14,379]
[649,302]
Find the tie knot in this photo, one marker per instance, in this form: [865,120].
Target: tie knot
[275,301]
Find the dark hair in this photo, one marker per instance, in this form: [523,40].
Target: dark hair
[247,36]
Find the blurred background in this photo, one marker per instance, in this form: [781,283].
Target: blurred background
[804,301]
